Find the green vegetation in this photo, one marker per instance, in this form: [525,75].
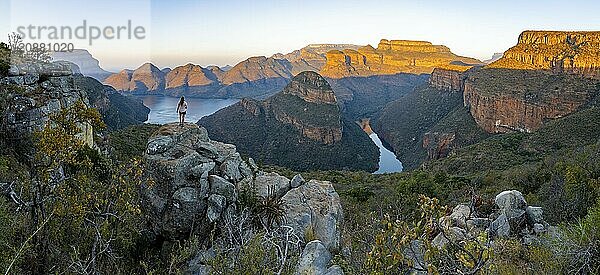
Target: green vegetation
[4,59]
[118,111]
[269,141]
[404,122]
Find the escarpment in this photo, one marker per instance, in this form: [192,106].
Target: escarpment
[302,120]
[448,79]
[392,57]
[547,75]
[558,51]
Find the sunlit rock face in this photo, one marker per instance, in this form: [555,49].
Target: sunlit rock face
[558,51]
[392,57]
[547,75]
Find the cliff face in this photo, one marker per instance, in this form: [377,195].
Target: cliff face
[558,51]
[308,103]
[450,80]
[33,94]
[302,120]
[508,100]
[392,57]
[311,57]
[547,75]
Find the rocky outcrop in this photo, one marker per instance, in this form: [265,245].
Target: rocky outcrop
[392,57]
[558,51]
[448,79]
[34,93]
[193,181]
[311,87]
[314,209]
[512,219]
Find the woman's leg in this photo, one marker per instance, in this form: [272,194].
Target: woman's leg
[180,119]
[183,118]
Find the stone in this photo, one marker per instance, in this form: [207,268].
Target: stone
[534,214]
[159,145]
[30,79]
[511,199]
[500,227]
[538,228]
[216,205]
[315,259]
[201,171]
[460,215]
[234,168]
[266,184]
[221,186]
[296,181]
[186,195]
[252,164]
[335,270]
[314,208]
[454,234]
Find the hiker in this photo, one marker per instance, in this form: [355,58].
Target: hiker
[181,110]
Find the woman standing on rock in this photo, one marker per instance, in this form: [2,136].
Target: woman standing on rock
[181,110]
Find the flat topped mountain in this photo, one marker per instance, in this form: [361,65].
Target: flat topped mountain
[300,127]
[557,51]
[392,57]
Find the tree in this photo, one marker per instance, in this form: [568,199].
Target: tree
[402,246]
[76,191]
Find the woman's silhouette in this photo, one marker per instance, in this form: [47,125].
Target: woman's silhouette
[181,110]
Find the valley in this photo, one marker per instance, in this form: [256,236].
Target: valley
[404,158]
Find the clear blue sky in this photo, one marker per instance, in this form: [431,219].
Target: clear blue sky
[226,32]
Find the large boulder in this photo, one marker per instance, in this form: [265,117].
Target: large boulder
[314,209]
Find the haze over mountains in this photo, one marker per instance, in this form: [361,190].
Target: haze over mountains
[261,76]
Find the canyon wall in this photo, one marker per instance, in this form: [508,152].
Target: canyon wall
[558,51]
[448,79]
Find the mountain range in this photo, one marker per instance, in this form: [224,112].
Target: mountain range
[260,77]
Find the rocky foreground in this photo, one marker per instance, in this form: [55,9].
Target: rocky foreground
[198,185]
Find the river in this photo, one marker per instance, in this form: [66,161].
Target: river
[163,110]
